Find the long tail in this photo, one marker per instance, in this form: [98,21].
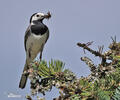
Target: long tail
[24,78]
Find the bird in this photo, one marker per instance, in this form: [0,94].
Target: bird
[35,38]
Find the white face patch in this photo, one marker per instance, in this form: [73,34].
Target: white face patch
[38,16]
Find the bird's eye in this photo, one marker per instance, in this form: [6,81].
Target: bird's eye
[37,15]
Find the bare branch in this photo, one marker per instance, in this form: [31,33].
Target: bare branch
[96,53]
[113,39]
[100,49]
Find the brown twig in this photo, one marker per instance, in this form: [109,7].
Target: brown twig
[87,44]
[96,53]
[28,97]
[113,39]
[100,49]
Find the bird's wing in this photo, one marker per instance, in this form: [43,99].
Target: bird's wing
[27,34]
[47,36]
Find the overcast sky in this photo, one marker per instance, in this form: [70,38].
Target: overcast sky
[72,21]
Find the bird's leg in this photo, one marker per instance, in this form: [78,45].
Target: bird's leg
[40,56]
[41,52]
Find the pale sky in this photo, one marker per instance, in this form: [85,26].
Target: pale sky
[72,21]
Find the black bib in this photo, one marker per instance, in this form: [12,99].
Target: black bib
[39,29]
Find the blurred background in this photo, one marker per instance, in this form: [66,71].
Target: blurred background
[72,21]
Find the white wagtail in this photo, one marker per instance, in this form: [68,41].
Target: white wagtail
[35,38]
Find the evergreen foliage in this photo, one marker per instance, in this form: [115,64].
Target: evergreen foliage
[102,84]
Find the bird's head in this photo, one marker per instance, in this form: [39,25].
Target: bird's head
[39,17]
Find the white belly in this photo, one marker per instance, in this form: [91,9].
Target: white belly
[35,44]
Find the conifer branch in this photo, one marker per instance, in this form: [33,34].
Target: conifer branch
[102,84]
[89,62]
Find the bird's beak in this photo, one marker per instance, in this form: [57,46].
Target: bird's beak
[48,15]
